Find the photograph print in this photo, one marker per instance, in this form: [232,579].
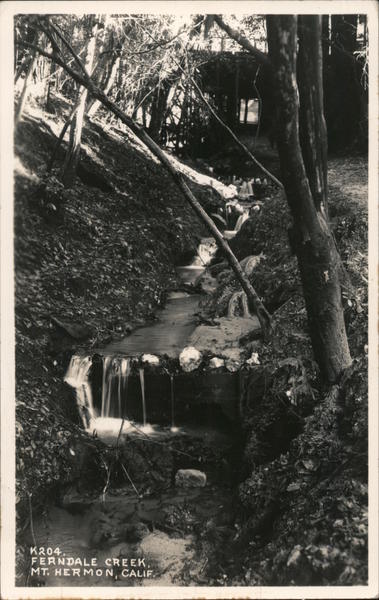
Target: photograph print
[185,399]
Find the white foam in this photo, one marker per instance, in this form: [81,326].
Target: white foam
[109,426]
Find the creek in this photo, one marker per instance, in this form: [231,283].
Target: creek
[139,523]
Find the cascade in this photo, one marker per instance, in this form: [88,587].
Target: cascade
[173,427]
[125,372]
[241,219]
[142,380]
[116,373]
[106,386]
[77,377]
[205,252]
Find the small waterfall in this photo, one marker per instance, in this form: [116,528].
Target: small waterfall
[205,252]
[77,378]
[116,373]
[125,372]
[105,390]
[173,427]
[241,219]
[142,380]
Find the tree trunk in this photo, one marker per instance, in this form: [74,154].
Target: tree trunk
[25,89]
[48,104]
[73,152]
[313,240]
[158,110]
[313,136]
[108,84]
[60,139]
[344,91]
[313,133]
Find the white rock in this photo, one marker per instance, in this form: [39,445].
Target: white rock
[216,363]
[151,359]
[254,359]
[294,556]
[190,478]
[190,359]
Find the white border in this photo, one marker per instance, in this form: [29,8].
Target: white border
[7,10]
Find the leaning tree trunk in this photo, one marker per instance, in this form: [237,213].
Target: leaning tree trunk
[254,300]
[305,185]
[73,152]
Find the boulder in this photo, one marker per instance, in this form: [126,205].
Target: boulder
[233,359]
[190,478]
[225,334]
[190,359]
[150,359]
[254,359]
[216,363]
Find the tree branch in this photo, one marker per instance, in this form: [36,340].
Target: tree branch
[252,296]
[66,43]
[223,124]
[235,138]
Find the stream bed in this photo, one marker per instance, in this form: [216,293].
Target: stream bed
[148,529]
[156,504]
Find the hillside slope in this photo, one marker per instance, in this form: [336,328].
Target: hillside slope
[98,258]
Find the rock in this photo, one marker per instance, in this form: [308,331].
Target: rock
[294,557]
[150,359]
[232,365]
[169,556]
[233,190]
[190,478]
[254,359]
[206,282]
[227,333]
[216,362]
[190,359]
[229,234]
[233,359]
[249,263]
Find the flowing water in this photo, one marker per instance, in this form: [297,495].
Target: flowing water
[142,380]
[105,388]
[114,390]
[77,377]
[144,530]
[172,398]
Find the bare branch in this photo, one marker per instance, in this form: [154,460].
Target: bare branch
[66,43]
[253,298]
[242,41]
